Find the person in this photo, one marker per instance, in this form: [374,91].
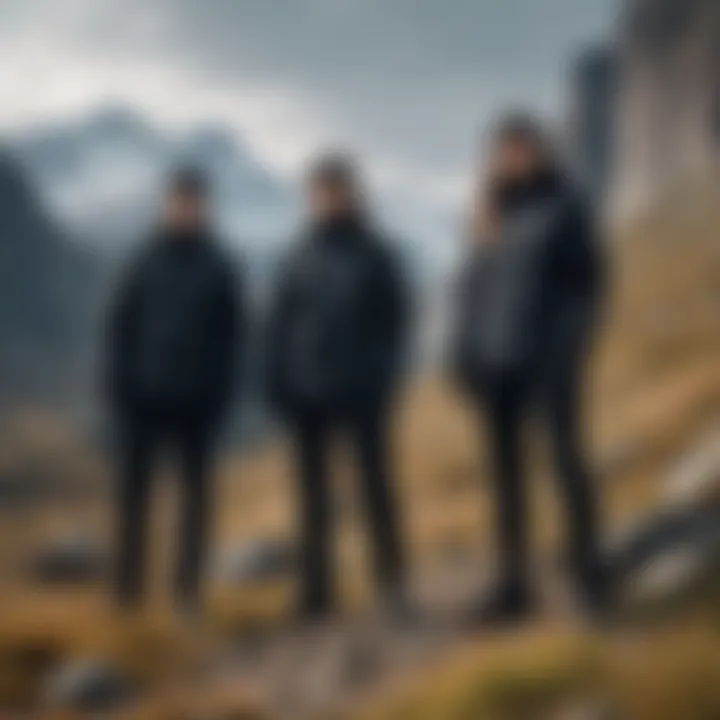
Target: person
[528,302]
[336,342]
[175,336]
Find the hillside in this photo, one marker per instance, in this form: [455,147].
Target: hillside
[656,393]
[666,119]
[47,291]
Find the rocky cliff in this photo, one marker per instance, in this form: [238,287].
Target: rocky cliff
[667,113]
[592,117]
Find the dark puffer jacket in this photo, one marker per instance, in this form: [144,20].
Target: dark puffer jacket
[176,327]
[532,294]
[338,324]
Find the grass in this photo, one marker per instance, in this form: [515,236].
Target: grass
[672,674]
[501,678]
[655,385]
[657,388]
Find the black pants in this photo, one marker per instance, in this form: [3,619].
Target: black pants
[509,401]
[368,434]
[144,435]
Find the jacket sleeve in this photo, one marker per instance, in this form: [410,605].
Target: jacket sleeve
[458,364]
[280,316]
[120,332]
[578,275]
[394,313]
[233,329]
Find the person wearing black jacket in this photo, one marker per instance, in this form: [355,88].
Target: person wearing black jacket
[337,337]
[175,335]
[529,301]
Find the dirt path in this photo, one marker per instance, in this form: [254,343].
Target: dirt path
[331,669]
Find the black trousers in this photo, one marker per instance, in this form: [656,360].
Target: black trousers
[366,428]
[509,400]
[188,434]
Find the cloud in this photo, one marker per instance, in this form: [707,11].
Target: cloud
[406,83]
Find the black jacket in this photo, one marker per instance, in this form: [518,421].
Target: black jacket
[531,295]
[338,324]
[176,327]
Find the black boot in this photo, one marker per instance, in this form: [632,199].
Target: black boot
[597,592]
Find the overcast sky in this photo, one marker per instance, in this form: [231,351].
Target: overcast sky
[404,83]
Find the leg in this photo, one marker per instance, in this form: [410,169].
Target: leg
[138,449]
[563,404]
[370,436]
[315,514]
[193,443]
[505,410]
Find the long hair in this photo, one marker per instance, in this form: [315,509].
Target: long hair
[487,209]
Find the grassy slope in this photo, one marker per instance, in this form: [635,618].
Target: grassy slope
[655,386]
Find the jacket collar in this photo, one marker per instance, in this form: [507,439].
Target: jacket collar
[344,229]
[542,186]
[182,238]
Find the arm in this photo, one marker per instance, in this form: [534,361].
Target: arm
[582,258]
[233,333]
[279,319]
[578,273]
[120,327]
[459,364]
[394,314]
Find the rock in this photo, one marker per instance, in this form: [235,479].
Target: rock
[359,665]
[339,662]
[70,560]
[86,686]
[669,576]
[695,479]
[665,533]
[667,555]
[256,561]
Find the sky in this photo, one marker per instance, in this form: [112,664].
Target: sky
[405,84]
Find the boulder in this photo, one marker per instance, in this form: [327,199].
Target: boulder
[256,561]
[667,555]
[665,533]
[86,686]
[359,665]
[69,560]
[669,576]
[695,478]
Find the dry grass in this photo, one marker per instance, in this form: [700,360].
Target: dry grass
[501,678]
[655,386]
[671,674]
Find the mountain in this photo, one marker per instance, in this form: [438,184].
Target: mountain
[102,173]
[97,178]
[47,284]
